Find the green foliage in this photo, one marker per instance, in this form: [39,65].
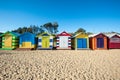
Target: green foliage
[80,30]
[89,33]
[51,28]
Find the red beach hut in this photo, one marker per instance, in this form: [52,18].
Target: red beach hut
[114,41]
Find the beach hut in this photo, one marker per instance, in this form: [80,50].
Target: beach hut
[80,41]
[98,41]
[27,41]
[45,41]
[113,41]
[63,41]
[10,40]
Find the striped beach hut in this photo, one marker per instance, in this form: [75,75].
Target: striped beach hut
[27,40]
[98,41]
[113,41]
[10,40]
[45,41]
[80,41]
[63,41]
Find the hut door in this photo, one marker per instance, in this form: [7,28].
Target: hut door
[84,45]
[81,43]
[8,41]
[63,42]
[100,43]
[45,42]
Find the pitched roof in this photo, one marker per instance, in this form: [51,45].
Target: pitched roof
[12,33]
[64,34]
[79,34]
[93,35]
[111,34]
[28,33]
[44,34]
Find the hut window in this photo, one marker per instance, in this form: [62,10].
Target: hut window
[116,40]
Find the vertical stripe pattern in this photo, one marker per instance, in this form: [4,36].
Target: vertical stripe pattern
[69,42]
[57,42]
[51,41]
[40,42]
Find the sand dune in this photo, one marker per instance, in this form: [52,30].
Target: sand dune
[60,65]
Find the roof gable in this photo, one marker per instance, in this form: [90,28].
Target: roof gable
[27,33]
[81,35]
[64,34]
[11,33]
[44,34]
[100,35]
[115,36]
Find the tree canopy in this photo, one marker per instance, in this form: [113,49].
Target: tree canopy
[49,27]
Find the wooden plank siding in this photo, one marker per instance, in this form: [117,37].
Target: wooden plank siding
[10,40]
[45,41]
[93,42]
[84,41]
[63,41]
[27,40]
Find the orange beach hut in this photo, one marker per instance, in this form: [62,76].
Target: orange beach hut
[98,41]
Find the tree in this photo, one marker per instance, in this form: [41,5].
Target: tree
[41,30]
[89,33]
[51,28]
[55,24]
[80,30]
[24,29]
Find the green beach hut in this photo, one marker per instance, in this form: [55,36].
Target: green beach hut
[10,40]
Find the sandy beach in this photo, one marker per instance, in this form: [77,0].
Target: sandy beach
[60,65]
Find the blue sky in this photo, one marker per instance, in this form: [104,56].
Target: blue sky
[92,15]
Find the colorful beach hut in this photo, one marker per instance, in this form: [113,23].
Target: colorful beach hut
[27,40]
[80,41]
[10,40]
[98,41]
[45,41]
[63,41]
[113,41]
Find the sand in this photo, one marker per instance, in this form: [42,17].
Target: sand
[60,65]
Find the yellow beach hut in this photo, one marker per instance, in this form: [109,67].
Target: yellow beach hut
[45,41]
[80,41]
